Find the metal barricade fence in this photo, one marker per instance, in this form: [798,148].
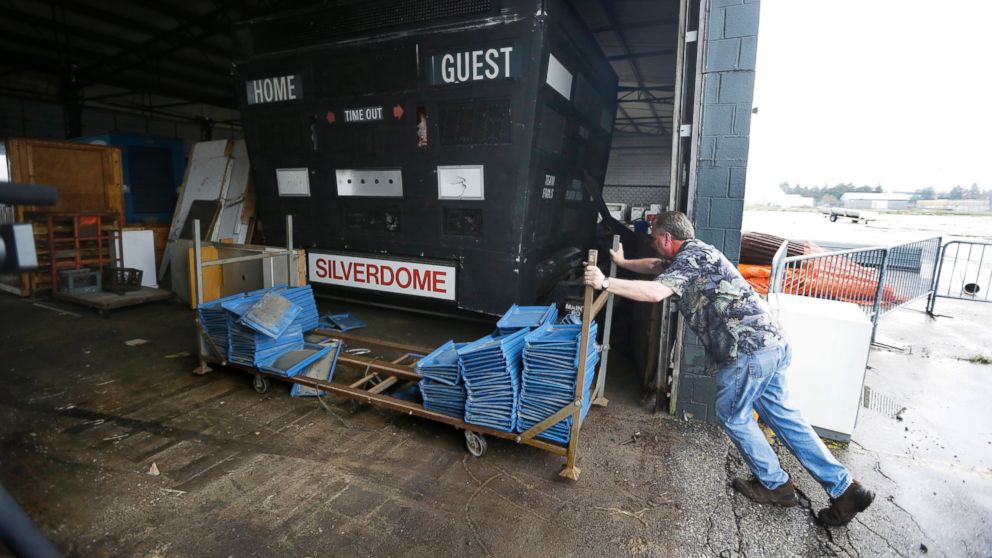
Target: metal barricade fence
[877,279]
[910,272]
[964,273]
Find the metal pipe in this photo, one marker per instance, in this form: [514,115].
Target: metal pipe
[598,397]
[253,257]
[878,294]
[19,533]
[988,285]
[954,265]
[291,276]
[198,262]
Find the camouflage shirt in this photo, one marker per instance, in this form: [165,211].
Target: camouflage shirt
[718,304]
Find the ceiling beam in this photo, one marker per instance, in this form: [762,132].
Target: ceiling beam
[152,84]
[153,76]
[114,18]
[637,24]
[611,16]
[645,54]
[91,36]
[181,14]
[646,88]
[637,118]
[50,45]
[154,49]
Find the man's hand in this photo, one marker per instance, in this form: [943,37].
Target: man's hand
[617,255]
[594,277]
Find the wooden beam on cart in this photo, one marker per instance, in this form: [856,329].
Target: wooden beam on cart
[353,339]
[599,392]
[406,407]
[552,420]
[400,371]
[570,470]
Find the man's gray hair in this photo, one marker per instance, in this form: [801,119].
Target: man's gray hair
[676,224]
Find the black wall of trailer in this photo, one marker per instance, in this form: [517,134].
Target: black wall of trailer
[452,133]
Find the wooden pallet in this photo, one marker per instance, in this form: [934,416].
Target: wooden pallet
[105,301]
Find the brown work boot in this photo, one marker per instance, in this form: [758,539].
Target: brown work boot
[853,501]
[784,495]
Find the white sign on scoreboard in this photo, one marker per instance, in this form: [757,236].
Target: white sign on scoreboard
[391,276]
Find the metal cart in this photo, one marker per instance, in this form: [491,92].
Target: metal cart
[380,376]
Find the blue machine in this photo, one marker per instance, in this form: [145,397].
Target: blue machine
[153,171]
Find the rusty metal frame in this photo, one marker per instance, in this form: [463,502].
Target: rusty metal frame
[392,373]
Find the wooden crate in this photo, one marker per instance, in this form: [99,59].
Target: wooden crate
[87,177]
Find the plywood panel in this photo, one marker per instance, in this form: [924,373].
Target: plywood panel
[206,173]
[212,278]
[87,177]
[161,233]
[230,225]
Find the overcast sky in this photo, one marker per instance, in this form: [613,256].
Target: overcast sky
[897,93]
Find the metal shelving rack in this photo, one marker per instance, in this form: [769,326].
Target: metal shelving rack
[78,240]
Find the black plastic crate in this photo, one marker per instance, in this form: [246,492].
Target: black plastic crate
[122,279]
[79,281]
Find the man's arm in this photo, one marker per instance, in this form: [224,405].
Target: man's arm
[653,266]
[643,291]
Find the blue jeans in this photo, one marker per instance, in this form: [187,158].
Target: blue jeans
[758,380]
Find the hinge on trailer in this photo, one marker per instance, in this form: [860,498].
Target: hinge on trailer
[685,130]
[690,36]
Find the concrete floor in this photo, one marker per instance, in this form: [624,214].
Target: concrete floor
[83,416]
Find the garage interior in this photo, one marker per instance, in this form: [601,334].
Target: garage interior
[75,69]
[243,474]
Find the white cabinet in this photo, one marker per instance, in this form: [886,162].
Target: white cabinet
[830,344]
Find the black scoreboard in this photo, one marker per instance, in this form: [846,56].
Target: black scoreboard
[429,148]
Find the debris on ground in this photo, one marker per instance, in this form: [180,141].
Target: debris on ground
[617,511]
[135,342]
[153,470]
[180,354]
[633,439]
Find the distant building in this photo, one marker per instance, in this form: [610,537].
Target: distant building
[777,198]
[966,206]
[861,200]
[795,200]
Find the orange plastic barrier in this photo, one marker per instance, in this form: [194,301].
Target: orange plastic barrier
[849,282]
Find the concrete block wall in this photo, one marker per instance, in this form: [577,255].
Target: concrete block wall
[730,45]
[639,170]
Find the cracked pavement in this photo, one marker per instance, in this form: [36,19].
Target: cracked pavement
[249,475]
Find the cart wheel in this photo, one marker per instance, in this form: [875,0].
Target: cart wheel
[475,443]
[261,383]
[833,218]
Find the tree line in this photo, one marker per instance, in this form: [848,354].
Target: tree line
[828,193]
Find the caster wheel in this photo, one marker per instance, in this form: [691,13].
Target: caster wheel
[833,218]
[261,383]
[475,443]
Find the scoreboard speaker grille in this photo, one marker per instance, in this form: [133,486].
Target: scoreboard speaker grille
[477,122]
